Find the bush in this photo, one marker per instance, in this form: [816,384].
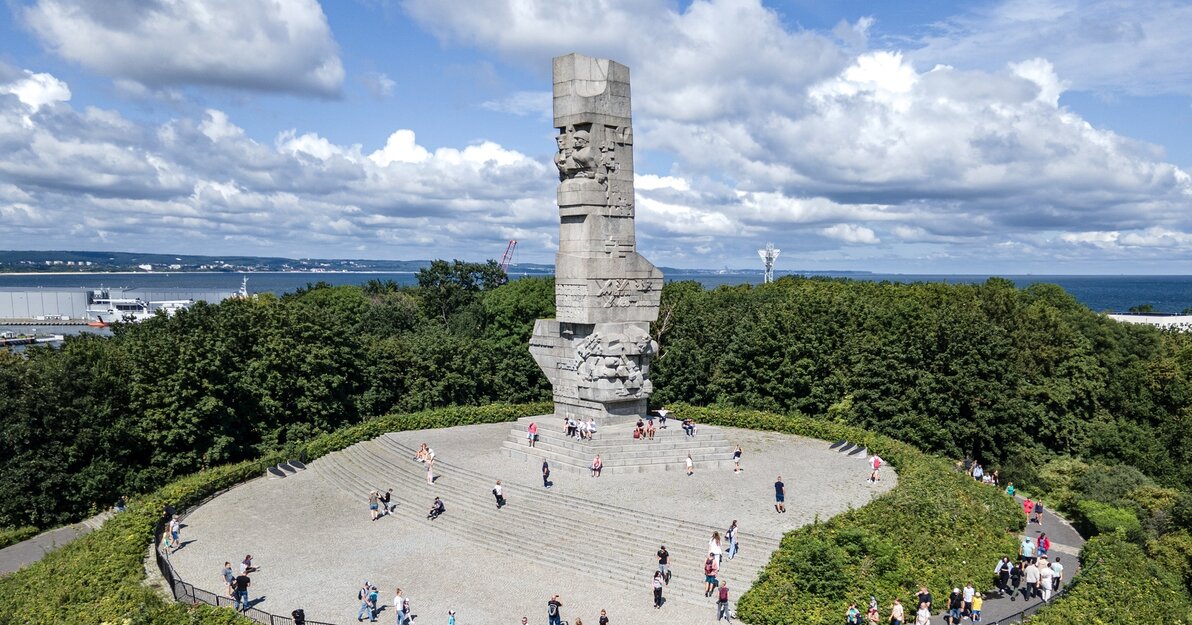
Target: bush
[937,528]
[98,578]
[1096,518]
[14,535]
[1120,584]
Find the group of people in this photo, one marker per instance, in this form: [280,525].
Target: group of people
[577,428]
[1035,575]
[237,585]
[370,605]
[644,429]
[426,455]
[1033,510]
[381,504]
[554,614]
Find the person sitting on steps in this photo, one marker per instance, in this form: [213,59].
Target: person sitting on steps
[436,509]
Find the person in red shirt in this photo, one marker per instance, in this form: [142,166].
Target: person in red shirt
[1028,506]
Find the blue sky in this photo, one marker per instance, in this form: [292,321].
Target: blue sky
[930,137]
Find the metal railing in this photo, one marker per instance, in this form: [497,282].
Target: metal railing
[188,594]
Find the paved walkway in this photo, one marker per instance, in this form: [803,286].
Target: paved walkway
[13,557]
[591,540]
[1066,544]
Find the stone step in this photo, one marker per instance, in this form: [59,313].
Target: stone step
[552,498]
[639,451]
[604,552]
[628,542]
[624,446]
[575,464]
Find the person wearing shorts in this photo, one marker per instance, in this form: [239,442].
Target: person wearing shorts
[779,495]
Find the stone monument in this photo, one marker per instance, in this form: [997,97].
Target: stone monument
[596,351]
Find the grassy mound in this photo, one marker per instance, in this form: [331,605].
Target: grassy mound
[937,528]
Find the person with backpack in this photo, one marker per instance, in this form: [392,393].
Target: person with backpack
[875,464]
[710,568]
[1015,580]
[722,603]
[730,536]
[853,616]
[545,474]
[362,597]
[553,615]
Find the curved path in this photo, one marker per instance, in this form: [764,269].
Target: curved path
[591,540]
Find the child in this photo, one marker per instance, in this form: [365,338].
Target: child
[450,617]
[977,601]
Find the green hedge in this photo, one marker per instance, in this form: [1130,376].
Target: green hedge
[1094,517]
[1120,584]
[98,578]
[14,535]
[937,527]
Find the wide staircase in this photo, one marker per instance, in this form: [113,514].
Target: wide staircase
[619,451]
[608,542]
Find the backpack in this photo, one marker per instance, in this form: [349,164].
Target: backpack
[723,594]
[852,618]
[708,567]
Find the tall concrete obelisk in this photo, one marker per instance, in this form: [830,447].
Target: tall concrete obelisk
[596,352]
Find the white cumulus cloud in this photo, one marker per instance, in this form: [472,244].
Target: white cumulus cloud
[265,45]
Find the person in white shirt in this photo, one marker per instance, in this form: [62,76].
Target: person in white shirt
[714,546]
[1046,577]
[968,598]
[923,616]
[1058,569]
[1032,581]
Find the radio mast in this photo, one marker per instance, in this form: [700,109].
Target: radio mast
[769,254]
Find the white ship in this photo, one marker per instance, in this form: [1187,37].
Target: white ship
[105,310]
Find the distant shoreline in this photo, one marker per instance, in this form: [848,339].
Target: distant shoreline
[171,273]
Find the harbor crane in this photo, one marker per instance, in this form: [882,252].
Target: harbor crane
[507,258]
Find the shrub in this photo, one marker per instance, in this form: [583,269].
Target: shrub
[13,535]
[1096,518]
[937,527]
[1120,584]
[97,578]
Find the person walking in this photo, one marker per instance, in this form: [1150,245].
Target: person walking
[175,533]
[1028,506]
[853,615]
[1031,573]
[499,493]
[779,495]
[871,615]
[969,592]
[737,459]
[978,603]
[955,606]
[603,620]
[690,466]
[1015,580]
[1039,512]
[399,604]
[240,598]
[714,546]
[722,603]
[387,502]
[553,614]
[875,464]
[897,614]
[430,469]
[710,569]
[730,536]
[657,585]
[664,564]
[1058,579]
[545,474]
[1026,551]
[362,597]
[924,597]
[532,434]
[1002,573]
[1042,545]
[923,616]
[1046,579]
[374,504]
